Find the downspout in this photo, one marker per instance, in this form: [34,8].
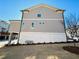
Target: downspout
[64,25]
[20,27]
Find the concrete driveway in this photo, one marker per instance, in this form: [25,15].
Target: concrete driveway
[47,51]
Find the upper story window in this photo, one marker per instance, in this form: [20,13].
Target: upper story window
[41,23]
[38,15]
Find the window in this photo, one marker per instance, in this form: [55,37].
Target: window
[41,23]
[38,15]
[32,24]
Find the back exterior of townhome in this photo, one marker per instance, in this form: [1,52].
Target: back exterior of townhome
[42,23]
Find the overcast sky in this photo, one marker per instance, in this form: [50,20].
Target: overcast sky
[10,9]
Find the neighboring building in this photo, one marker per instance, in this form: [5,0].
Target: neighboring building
[69,35]
[14,26]
[4,26]
[41,23]
[78,30]
[14,29]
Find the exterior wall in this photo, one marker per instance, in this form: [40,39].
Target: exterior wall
[41,37]
[4,30]
[52,20]
[4,26]
[55,26]
[46,13]
[47,28]
[14,26]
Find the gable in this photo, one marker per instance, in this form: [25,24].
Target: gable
[45,11]
[44,6]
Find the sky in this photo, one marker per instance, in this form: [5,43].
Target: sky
[10,9]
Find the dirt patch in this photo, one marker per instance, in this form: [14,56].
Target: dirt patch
[72,49]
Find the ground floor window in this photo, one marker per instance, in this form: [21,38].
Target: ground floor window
[3,38]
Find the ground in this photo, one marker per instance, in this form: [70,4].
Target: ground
[43,51]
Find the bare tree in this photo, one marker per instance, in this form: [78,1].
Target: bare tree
[72,24]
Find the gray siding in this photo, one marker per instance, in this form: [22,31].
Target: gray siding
[53,25]
[46,13]
[43,26]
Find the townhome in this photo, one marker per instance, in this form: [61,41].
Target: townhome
[40,23]
[4,27]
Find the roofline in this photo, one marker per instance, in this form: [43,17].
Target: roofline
[24,10]
[27,9]
[4,21]
[60,10]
